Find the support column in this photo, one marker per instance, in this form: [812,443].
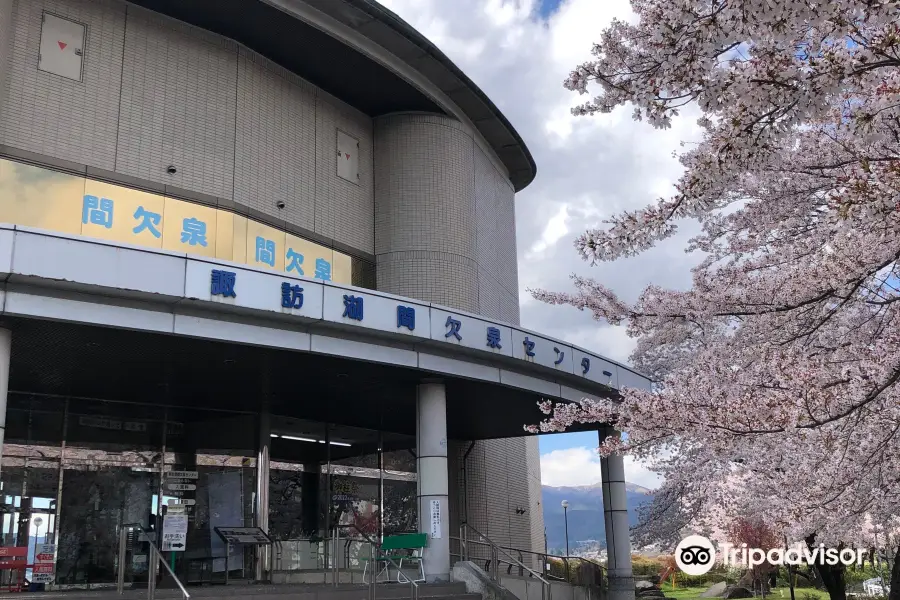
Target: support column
[5,348]
[431,466]
[262,490]
[310,481]
[615,517]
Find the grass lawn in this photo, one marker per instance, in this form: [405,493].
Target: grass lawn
[690,593]
[682,593]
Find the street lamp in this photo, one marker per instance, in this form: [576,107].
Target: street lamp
[37,522]
[565,505]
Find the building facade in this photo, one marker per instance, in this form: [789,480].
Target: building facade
[160,163]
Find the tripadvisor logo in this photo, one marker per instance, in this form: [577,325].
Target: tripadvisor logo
[696,555]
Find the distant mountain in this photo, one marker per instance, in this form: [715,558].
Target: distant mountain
[585,513]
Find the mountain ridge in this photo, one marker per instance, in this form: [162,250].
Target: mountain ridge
[585,514]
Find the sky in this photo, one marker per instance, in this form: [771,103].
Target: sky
[588,168]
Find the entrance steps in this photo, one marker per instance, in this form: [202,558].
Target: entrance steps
[245,591]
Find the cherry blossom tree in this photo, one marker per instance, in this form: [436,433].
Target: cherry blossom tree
[755,534]
[778,369]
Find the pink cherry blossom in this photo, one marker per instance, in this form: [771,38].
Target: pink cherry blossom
[777,371]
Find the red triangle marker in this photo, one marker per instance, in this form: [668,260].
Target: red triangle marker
[62,45]
[347,155]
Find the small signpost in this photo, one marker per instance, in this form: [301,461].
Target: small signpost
[175,521]
[175,526]
[243,536]
[177,485]
[180,487]
[44,564]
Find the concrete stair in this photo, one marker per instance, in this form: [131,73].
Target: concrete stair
[244,591]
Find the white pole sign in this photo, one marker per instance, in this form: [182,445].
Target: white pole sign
[436,519]
[181,474]
[44,564]
[175,527]
[181,487]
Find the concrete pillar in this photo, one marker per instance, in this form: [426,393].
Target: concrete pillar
[431,465]
[615,517]
[310,481]
[5,348]
[262,490]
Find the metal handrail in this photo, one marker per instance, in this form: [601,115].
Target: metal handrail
[495,559]
[544,556]
[506,562]
[413,586]
[155,561]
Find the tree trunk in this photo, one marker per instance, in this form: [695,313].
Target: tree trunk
[790,571]
[832,576]
[895,577]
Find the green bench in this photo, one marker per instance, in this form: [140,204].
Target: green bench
[392,548]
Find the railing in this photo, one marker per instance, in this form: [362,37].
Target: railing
[542,558]
[496,551]
[155,561]
[375,556]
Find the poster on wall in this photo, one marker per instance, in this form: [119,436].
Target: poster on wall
[175,527]
[225,510]
[436,519]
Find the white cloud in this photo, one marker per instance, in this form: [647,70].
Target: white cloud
[581,466]
[556,228]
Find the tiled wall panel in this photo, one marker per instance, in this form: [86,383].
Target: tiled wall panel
[178,105]
[275,158]
[157,93]
[56,116]
[344,210]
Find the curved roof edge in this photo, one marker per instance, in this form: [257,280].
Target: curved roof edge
[337,54]
[407,44]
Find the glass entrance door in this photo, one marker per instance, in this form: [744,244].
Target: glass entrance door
[111,475]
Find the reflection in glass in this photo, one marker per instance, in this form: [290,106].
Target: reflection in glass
[29,477]
[220,447]
[41,198]
[111,475]
[297,484]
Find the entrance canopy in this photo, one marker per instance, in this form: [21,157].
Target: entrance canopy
[77,360]
[98,320]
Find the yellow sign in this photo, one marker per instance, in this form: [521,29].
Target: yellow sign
[37,197]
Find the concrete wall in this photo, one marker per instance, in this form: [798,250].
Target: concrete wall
[500,476]
[157,92]
[526,588]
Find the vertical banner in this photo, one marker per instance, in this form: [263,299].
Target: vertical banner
[225,510]
[436,519]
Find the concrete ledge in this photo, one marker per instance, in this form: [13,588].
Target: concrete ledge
[478,582]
